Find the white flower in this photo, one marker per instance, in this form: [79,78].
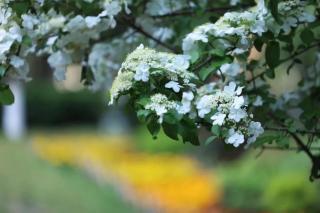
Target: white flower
[75,24]
[231,89]
[142,72]
[204,105]
[237,114]
[306,17]
[52,40]
[92,21]
[181,62]
[234,2]
[258,101]
[288,23]
[59,62]
[259,27]
[17,62]
[218,118]
[160,104]
[187,97]
[235,138]
[29,21]
[175,86]
[232,69]
[238,102]
[255,129]
[4,15]
[163,33]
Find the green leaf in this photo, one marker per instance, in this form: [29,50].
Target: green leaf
[194,56]
[188,133]
[217,52]
[273,54]
[6,96]
[270,73]
[216,130]
[283,142]
[265,139]
[2,71]
[210,140]
[218,62]
[20,7]
[143,101]
[307,36]
[154,128]
[170,130]
[204,73]
[143,114]
[273,6]
[258,44]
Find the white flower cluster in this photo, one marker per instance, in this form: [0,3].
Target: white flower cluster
[242,25]
[160,104]
[232,24]
[164,81]
[291,13]
[148,66]
[65,37]
[10,39]
[227,108]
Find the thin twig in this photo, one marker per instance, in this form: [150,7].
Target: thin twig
[300,131]
[131,23]
[189,12]
[285,60]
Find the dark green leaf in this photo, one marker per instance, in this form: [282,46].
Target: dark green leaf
[258,44]
[188,134]
[273,6]
[307,36]
[170,130]
[273,54]
[210,140]
[194,56]
[154,128]
[6,96]
[205,72]
[143,114]
[270,73]
[216,130]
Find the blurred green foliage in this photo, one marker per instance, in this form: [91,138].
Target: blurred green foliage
[291,193]
[48,107]
[162,143]
[276,181]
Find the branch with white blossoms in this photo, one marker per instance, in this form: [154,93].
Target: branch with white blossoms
[215,52]
[65,36]
[165,93]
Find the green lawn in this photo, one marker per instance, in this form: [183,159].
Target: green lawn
[28,184]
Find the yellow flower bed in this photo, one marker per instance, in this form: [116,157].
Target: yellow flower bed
[170,182]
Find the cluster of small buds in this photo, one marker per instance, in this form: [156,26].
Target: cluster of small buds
[160,104]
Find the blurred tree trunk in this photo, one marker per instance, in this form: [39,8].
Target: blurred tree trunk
[14,121]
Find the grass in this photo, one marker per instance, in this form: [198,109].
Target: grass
[28,184]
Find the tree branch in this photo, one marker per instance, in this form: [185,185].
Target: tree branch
[131,23]
[188,12]
[300,131]
[286,59]
[315,170]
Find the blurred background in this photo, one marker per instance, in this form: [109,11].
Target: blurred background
[63,150]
